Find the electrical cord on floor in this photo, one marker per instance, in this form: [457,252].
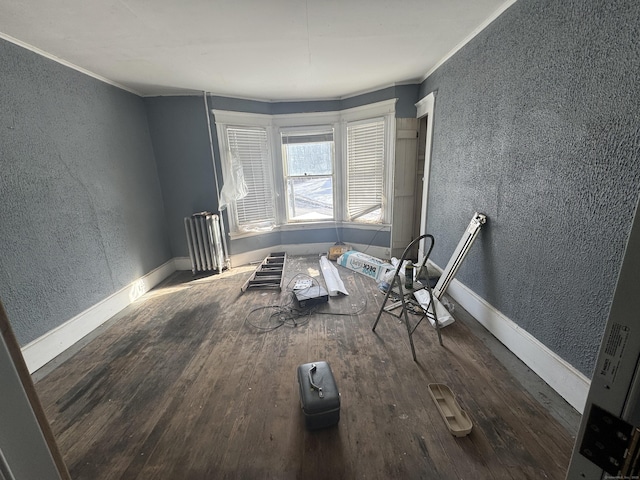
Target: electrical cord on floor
[287,315]
[358,312]
[373,238]
[283,315]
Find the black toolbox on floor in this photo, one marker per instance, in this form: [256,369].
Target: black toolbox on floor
[319,395]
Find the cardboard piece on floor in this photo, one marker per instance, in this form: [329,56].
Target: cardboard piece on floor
[337,250]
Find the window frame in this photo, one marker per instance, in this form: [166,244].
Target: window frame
[278,123]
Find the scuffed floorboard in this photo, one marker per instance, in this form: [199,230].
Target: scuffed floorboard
[180,386]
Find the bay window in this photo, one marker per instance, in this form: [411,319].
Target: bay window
[309,168]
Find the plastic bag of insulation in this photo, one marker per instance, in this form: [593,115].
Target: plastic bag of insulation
[235,186]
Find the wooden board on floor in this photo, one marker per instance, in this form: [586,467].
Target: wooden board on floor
[192,381]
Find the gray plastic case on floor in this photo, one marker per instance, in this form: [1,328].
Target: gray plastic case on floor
[319,395]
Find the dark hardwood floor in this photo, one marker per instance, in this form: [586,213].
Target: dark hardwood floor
[180,386]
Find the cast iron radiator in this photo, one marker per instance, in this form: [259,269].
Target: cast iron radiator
[205,235]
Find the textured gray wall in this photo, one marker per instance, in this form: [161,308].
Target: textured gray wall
[178,127]
[81,212]
[537,125]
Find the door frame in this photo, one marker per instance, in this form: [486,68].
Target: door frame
[28,448]
[425,107]
[615,383]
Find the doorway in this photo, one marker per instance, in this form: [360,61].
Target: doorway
[425,110]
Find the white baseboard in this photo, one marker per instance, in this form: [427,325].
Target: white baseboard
[565,379]
[45,348]
[255,256]
[182,263]
[571,384]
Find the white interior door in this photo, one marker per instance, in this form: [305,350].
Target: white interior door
[404,185]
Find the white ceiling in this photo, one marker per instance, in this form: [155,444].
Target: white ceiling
[262,49]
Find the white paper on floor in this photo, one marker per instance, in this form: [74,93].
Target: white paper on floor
[332,278]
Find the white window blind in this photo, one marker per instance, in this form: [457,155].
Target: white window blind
[365,170]
[249,145]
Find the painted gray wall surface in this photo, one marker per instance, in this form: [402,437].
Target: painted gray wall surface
[378,238]
[536,125]
[178,127]
[271,108]
[81,211]
[407,96]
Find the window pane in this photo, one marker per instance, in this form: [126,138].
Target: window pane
[309,158]
[308,170]
[308,153]
[310,198]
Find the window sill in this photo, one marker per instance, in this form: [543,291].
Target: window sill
[287,227]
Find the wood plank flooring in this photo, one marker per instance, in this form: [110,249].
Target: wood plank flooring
[180,386]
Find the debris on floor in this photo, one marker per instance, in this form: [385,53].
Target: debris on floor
[337,250]
[457,420]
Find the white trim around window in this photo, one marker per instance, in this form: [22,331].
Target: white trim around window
[274,125]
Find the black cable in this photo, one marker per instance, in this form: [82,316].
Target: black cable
[286,315]
[338,242]
[283,315]
[337,314]
[373,238]
[260,327]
